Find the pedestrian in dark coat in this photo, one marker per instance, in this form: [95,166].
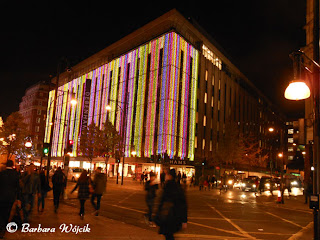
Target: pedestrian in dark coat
[172,211]
[9,189]
[151,188]
[99,185]
[179,177]
[44,189]
[58,183]
[31,186]
[162,178]
[83,191]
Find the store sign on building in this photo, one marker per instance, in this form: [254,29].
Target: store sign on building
[177,162]
[86,104]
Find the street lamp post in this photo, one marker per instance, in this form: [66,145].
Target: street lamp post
[123,134]
[306,93]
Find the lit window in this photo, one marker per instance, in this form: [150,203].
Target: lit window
[203,143]
[210,146]
[290,149]
[37,129]
[290,131]
[204,121]
[205,97]
[212,101]
[195,142]
[290,140]
[290,157]
[38,120]
[206,76]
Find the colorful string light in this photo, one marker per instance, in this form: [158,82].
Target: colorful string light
[152,116]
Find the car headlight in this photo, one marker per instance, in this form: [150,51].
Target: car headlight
[267,184]
[254,186]
[77,175]
[243,184]
[230,182]
[294,183]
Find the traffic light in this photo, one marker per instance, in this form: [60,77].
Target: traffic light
[117,156]
[45,148]
[70,146]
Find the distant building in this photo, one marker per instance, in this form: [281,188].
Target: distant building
[33,108]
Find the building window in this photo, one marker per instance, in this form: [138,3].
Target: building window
[206,76]
[203,143]
[290,157]
[204,121]
[290,140]
[38,120]
[205,97]
[37,129]
[290,131]
[208,54]
[195,142]
[290,149]
[39,112]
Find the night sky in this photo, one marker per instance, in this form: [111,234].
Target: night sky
[257,35]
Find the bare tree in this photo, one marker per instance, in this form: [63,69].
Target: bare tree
[96,142]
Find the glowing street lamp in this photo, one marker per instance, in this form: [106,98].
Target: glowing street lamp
[280,155]
[133,153]
[271,129]
[297,90]
[28,144]
[108,108]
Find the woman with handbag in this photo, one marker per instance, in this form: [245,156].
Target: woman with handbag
[84,185]
[172,211]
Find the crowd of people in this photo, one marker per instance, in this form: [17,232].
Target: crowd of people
[19,190]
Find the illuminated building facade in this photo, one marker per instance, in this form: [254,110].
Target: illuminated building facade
[180,90]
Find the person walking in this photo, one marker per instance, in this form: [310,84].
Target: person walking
[10,192]
[58,184]
[179,177]
[30,183]
[201,182]
[99,186]
[162,178]
[45,187]
[83,192]
[172,211]
[151,188]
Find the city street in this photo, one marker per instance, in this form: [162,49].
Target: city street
[232,215]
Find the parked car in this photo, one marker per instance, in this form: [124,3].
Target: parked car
[74,174]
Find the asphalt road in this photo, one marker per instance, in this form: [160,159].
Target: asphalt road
[230,215]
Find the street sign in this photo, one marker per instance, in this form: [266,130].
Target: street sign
[314,202]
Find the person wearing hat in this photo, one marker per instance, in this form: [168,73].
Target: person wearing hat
[9,193]
[151,187]
[172,211]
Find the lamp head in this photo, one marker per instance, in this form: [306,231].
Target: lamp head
[297,90]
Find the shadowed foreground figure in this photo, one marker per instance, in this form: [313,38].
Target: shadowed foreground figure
[172,211]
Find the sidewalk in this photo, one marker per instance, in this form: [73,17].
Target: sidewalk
[96,227]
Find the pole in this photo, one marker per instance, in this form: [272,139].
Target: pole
[316,110]
[124,133]
[53,119]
